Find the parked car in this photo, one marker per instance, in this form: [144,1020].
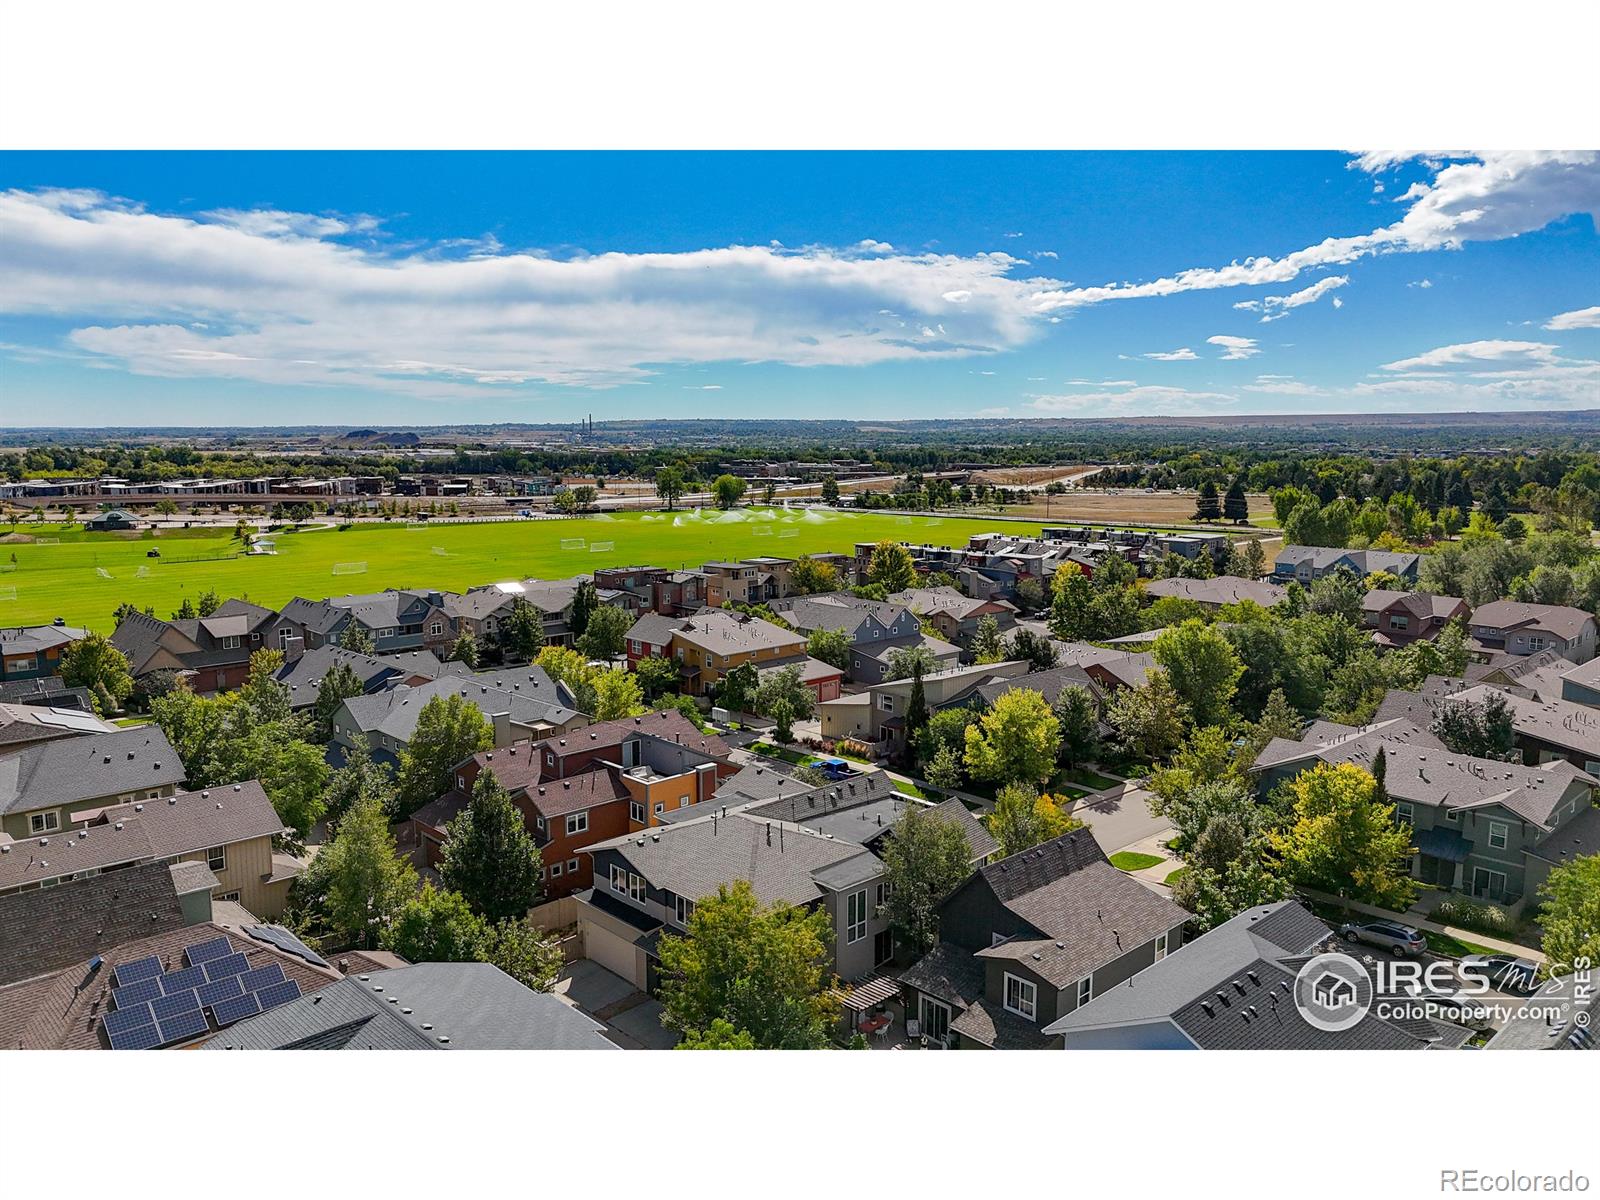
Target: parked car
[833,768]
[1392,936]
[1504,971]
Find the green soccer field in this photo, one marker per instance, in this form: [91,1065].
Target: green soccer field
[86,576]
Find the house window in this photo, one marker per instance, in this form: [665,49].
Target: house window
[636,811]
[1161,947]
[636,887]
[234,896]
[572,866]
[577,823]
[882,947]
[1399,622]
[855,925]
[217,858]
[661,807]
[1498,831]
[436,628]
[1403,812]
[1453,815]
[230,643]
[538,823]
[1021,996]
[555,871]
[461,783]
[683,910]
[883,894]
[1535,644]
[888,703]
[45,822]
[619,880]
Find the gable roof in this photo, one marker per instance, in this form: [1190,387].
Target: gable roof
[37,639]
[425,1006]
[720,631]
[36,723]
[1221,589]
[1085,911]
[394,713]
[1559,620]
[74,770]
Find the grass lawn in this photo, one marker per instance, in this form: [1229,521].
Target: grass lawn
[1132,860]
[910,789]
[1092,780]
[86,575]
[1453,947]
[1174,876]
[787,755]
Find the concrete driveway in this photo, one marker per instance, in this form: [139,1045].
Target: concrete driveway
[632,1019]
[642,1025]
[1120,817]
[589,986]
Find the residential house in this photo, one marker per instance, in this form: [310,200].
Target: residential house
[648,883]
[714,641]
[1399,618]
[1049,684]
[1032,937]
[594,783]
[1481,827]
[24,725]
[212,652]
[425,1006]
[42,786]
[1547,730]
[1211,594]
[733,583]
[302,676]
[1512,627]
[953,615]
[1305,564]
[394,619]
[1581,684]
[1561,1015]
[877,715]
[46,691]
[34,651]
[519,710]
[227,829]
[1542,674]
[1234,989]
[875,629]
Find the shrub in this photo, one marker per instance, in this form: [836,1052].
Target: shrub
[1482,918]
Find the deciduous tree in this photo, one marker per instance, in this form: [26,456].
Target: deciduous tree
[449,729]
[489,857]
[925,859]
[1017,740]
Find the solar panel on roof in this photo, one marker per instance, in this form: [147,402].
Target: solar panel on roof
[139,968]
[167,1007]
[184,1025]
[204,952]
[136,993]
[128,1018]
[236,1009]
[278,993]
[223,989]
[231,964]
[185,980]
[277,935]
[140,1037]
[262,977]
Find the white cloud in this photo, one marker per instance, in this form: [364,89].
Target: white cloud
[960,296]
[1492,196]
[1337,302]
[1236,347]
[1475,352]
[1276,307]
[868,246]
[1045,254]
[1581,318]
[282,301]
[703,387]
[1283,385]
[1420,283]
[1012,235]
[991,412]
[1183,355]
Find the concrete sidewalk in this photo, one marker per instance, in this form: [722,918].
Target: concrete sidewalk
[1415,919]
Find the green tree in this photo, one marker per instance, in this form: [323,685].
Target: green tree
[606,633]
[523,951]
[464,649]
[1149,719]
[1342,840]
[891,567]
[1338,594]
[1017,740]
[521,632]
[907,662]
[1022,818]
[368,883]
[449,729]
[570,669]
[830,490]
[356,638]
[727,490]
[1569,913]
[1453,649]
[758,969]
[987,644]
[917,714]
[946,728]
[436,926]
[1226,872]
[585,602]
[924,860]
[617,694]
[93,662]
[831,646]
[1029,647]
[1235,505]
[721,1036]
[808,576]
[338,685]
[943,770]
[1072,604]
[1080,735]
[737,691]
[670,485]
[1480,728]
[489,857]
[656,675]
[1203,668]
[1207,507]
[360,778]
[784,686]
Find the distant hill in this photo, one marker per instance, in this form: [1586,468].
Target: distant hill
[378,437]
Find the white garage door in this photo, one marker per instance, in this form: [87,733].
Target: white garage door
[612,952]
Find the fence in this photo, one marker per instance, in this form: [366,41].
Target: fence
[555,914]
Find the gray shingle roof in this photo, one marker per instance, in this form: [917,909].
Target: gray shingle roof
[444,1006]
[1559,619]
[77,770]
[394,713]
[948,972]
[1222,589]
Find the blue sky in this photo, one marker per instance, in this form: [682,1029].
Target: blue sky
[257,288]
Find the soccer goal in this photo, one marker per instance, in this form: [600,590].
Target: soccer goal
[601,547]
[573,543]
[350,568]
[902,520]
[8,593]
[783,533]
[762,531]
[142,573]
[416,524]
[441,552]
[47,541]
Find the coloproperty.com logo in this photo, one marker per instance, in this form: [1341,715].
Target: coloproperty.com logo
[1335,991]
